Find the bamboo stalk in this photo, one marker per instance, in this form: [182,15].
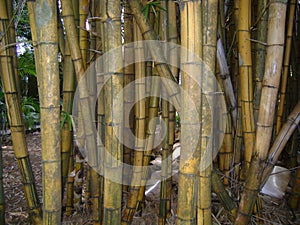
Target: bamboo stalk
[166,167]
[100,109]
[50,110]
[294,200]
[68,93]
[85,120]
[174,61]
[140,124]
[223,196]
[245,70]
[113,114]
[129,74]
[227,84]
[156,52]
[16,120]
[226,151]
[281,140]
[260,53]
[286,64]
[2,197]
[150,131]
[13,49]
[191,24]
[70,185]
[83,33]
[209,43]
[238,138]
[276,28]
[166,172]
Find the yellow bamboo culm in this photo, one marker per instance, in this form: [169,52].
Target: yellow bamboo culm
[245,74]
[111,36]
[48,78]
[276,32]
[12,98]
[209,47]
[286,64]
[140,125]
[191,30]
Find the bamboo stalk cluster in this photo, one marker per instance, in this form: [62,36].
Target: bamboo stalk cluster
[242,60]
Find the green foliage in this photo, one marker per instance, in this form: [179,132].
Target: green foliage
[31,111]
[154,6]
[177,120]
[66,118]
[23,27]
[26,64]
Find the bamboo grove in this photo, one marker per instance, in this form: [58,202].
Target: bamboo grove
[251,49]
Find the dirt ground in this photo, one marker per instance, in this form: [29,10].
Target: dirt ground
[274,211]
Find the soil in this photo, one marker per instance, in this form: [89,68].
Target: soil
[274,211]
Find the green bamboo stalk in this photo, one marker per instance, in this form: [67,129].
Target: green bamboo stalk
[70,185]
[223,196]
[68,93]
[128,96]
[276,31]
[16,120]
[260,53]
[12,37]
